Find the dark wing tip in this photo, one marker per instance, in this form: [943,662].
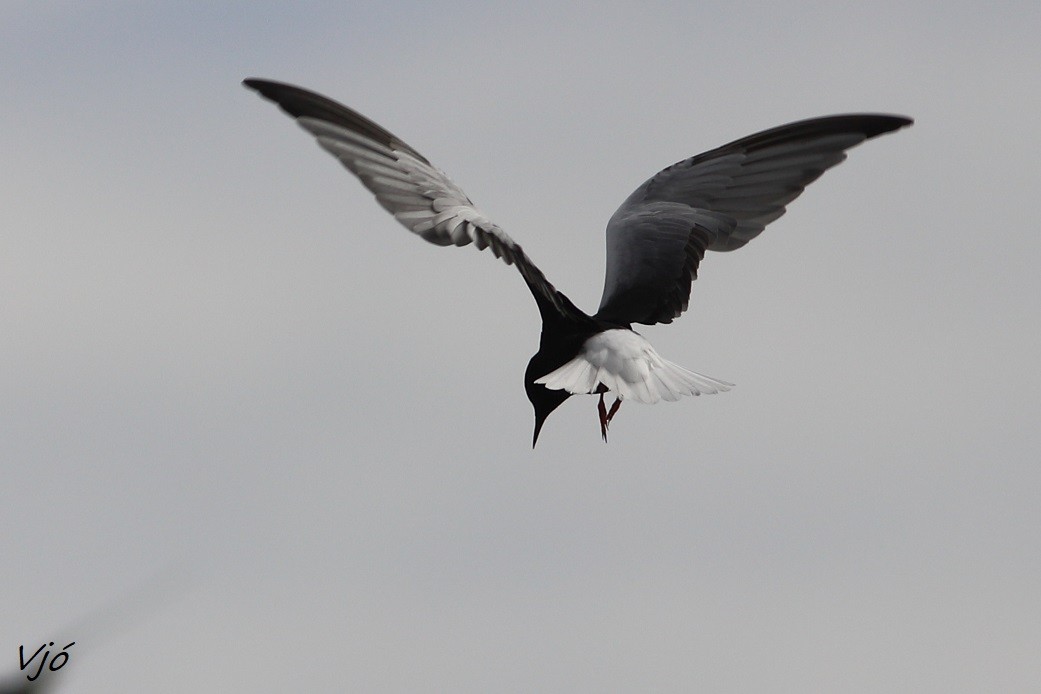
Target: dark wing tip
[302,103]
[875,124]
[293,99]
[296,101]
[868,124]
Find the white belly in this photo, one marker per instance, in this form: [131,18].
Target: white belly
[627,365]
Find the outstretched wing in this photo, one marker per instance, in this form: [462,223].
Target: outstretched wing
[418,194]
[716,201]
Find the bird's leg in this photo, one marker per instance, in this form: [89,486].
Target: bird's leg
[614,408]
[602,409]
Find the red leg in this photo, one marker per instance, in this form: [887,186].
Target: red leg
[603,417]
[614,408]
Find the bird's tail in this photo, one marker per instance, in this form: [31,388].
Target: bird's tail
[648,381]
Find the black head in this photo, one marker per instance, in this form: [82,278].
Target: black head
[542,398]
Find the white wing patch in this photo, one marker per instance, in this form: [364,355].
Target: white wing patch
[627,365]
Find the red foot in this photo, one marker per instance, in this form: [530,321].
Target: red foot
[605,416]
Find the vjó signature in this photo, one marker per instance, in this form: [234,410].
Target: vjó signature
[54,667]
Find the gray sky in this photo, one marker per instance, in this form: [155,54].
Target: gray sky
[222,360]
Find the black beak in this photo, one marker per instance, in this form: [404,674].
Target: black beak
[543,401]
[540,419]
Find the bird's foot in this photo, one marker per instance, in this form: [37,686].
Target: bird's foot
[605,415]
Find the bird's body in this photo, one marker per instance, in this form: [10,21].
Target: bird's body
[718,201]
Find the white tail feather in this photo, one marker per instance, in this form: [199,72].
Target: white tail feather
[627,365]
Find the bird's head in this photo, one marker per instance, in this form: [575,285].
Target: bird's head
[542,398]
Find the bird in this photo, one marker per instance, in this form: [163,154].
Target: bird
[715,201]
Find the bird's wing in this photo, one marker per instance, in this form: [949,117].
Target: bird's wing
[417,193]
[716,201]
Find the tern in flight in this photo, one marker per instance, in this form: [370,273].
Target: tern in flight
[715,201]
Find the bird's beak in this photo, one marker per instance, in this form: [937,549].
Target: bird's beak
[539,421]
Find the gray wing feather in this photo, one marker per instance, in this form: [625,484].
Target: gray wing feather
[716,201]
[419,195]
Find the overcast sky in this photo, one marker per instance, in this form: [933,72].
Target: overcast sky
[226,367]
